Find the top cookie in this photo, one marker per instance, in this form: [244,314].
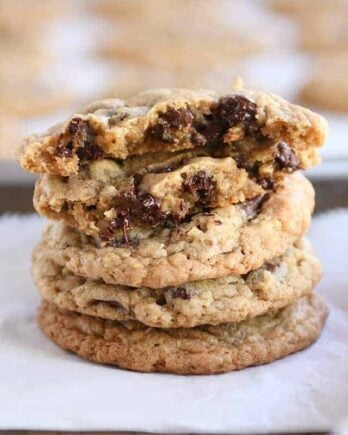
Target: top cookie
[263,132]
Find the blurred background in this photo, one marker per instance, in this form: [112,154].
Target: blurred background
[56,55]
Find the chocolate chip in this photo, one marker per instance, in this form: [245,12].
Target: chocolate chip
[79,137]
[179,293]
[201,186]
[63,149]
[285,158]
[90,152]
[169,122]
[211,129]
[266,183]
[177,118]
[76,126]
[228,112]
[252,206]
[236,109]
[135,207]
[161,301]
[161,132]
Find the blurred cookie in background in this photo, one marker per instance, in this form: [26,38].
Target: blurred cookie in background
[10,132]
[177,36]
[327,88]
[34,100]
[324,30]
[146,12]
[129,81]
[19,63]
[23,19]
[173,50]
[300,7]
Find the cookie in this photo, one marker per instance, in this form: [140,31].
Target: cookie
[252,124]
[325,31]
[201,350]
[226,241]
[33,101]
[152,12]
[156,35]
[175,50]
[9,132]
[305,7]
[16,19]
[32,61]
[327,87]
[109,199]
[276,284]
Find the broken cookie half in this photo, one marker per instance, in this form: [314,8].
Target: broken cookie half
[262,132]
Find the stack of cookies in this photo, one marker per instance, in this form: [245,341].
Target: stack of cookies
[176,241]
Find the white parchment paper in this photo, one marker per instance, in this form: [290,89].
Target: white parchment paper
[43,387]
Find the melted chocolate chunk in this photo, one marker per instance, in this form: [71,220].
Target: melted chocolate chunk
[63,149]
[228,112]
[177,118]
[179,293]
[201,186]
[161,132]
[210,128]
[161,301]
[285,158]
[169,122]
[266,183]
[135,207]
[76,126]
[252,206]
[236,109]
[90,152]
[78,137]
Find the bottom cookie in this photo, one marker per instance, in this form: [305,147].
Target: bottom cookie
[200,350]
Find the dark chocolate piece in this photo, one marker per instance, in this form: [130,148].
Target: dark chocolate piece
[179,293]
[285,158]
[201,186]
[252,206]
